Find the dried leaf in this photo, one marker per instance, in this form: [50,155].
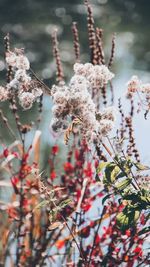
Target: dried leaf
[69,130]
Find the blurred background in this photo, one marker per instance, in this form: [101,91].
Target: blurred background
[31,23]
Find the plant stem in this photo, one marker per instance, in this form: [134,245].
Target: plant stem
[98,227]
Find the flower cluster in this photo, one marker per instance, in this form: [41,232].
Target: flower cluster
[17,59]
[27,89]
[136,85]
[75,100]
[97,75]
[133,86]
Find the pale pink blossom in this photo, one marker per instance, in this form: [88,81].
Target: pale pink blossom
[26,100]
[75,100]
[3,94]
[11,59]
[145,88]
[133,85]
[22,62]
[22,76]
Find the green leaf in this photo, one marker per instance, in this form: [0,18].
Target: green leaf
[144,231]
[115,173]
[126,165]
[97,179]
[101,166]
[64,203]
[111,172]
[105,198]
[123,184]
[122,220]
[121,175]
[53,214]
[127,218]
[141,167]
[142,201]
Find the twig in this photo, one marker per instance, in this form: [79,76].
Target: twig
[46,88]
[98,227]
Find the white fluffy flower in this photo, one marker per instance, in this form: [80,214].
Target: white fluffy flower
[100,76]
[58,124]
[26,100]
[60,97]
[105,127]
[26,88]
[136,85]
[78,83]
[133,84]
[59,88]
[22,62]
[89,68]
[109,113]
[11,59]
[75,100]
[37,92]
[145,88]
[59,111]
[83,69]
[97,75]
[18,61]
[14,84]
[22,76]
[3,94]
[79,69]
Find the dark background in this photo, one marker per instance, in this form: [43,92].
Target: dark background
[30,23]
